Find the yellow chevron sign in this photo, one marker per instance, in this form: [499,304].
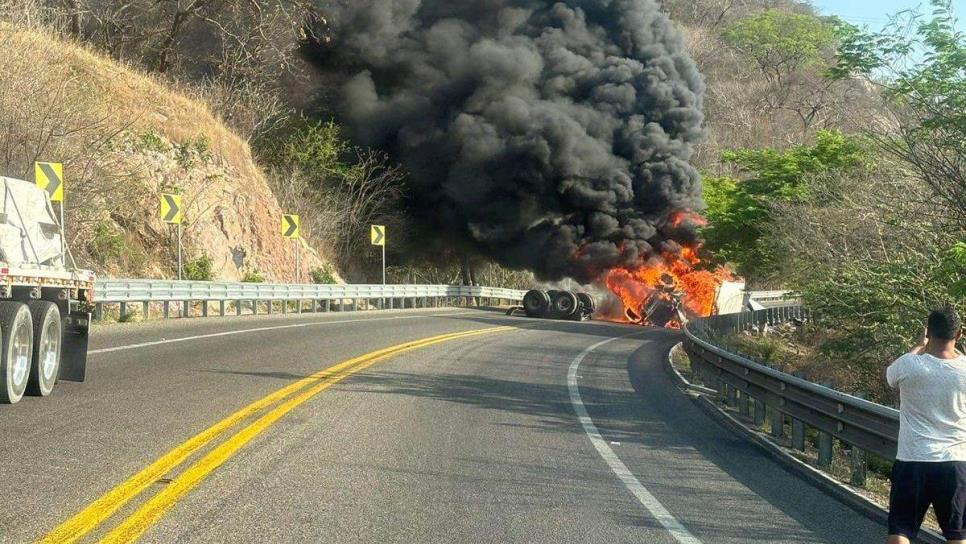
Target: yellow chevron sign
[49,176]
[290,226]
[377,235]
[171,208]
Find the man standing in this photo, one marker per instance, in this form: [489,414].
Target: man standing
[930,465]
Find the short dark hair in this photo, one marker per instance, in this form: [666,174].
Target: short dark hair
[944,323]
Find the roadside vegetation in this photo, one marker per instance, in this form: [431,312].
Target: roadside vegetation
[867,222]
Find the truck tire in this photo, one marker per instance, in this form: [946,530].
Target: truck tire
[564,304]
[587,302]
[48,344]
[16,347]
[536,303]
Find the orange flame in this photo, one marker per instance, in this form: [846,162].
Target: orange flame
[667,275]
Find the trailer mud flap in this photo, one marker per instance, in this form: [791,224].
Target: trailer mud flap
[73,357]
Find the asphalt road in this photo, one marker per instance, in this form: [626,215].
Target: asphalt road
[474,439]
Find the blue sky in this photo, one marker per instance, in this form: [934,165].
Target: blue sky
[875,13]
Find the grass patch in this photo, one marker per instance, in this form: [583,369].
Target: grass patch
[253,276]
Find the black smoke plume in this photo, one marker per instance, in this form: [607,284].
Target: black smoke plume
[549,136]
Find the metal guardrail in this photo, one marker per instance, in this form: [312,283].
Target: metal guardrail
[319,297]
[772,299]
[771,295]
[756,389]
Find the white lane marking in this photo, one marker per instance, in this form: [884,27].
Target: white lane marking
[262,329]
[650,502]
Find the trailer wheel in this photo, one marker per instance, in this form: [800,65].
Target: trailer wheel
[48,342]
[16,339]
[564,304]
[587,302]
[536,302]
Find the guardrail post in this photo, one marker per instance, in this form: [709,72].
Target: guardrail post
[98,311]
[858,465]
[284,304]
[824,449]
[731,395]
[186,308]
[144,310]
[204,308]
[326,305]
[221,308]
[777,423]
[122,311]
[238,307]
[759,413]
[255,307]
[299,303]
[798,435]
[746,408]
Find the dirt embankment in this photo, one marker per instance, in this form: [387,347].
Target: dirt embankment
[124,138]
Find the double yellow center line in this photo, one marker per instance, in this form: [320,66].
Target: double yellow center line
[132,527]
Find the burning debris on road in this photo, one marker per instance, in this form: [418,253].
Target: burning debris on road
[668,289]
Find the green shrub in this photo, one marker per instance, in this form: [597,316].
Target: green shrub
[191,152]
[198,269]
[323,274]
[107,242]
[151,141]
[253,276]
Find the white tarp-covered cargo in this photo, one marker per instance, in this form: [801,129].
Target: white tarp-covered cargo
[29,230]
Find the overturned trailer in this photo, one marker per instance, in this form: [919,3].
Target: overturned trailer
[557,304]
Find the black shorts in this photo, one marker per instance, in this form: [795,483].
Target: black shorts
[916,485]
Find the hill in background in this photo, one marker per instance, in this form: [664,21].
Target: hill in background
[125,137]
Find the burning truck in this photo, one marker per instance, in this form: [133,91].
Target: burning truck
[670,288]
[667,305]
[666,289]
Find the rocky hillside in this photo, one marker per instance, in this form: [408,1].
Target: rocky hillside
[124,138]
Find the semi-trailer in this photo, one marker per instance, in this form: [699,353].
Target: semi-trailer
[45,300]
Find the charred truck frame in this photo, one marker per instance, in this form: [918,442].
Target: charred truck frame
[556,304]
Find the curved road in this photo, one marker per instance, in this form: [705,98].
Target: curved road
[466,439]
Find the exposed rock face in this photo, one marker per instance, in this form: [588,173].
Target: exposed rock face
[125,138]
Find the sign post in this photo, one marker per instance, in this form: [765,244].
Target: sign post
[377,236]
[290,229]
[49,176]
[171,214]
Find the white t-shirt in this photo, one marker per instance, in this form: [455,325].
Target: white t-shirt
[932,407]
